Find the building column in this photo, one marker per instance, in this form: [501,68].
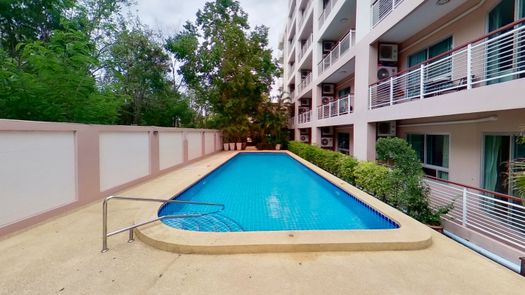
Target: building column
[364,141]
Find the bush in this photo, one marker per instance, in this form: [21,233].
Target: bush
[373,178]
[333,162]
[346,169]
[399,152]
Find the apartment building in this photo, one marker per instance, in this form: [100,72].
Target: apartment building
[443,74]
[446,75]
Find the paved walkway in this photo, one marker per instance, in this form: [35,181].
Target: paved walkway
[63,256]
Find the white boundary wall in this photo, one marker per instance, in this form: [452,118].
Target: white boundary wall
[37,173]
[49,168]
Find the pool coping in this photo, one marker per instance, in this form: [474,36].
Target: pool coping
[411,234]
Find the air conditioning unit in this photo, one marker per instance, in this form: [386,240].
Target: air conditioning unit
[386,72]
[327,99]
[305,102]
[328,46]
[386,129]
[327,131]
[327,142]
[304,138]
[303,109]
[328,89]
[388,52]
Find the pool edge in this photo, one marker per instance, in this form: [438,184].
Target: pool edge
[411,235]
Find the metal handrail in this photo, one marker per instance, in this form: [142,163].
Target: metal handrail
[105,233]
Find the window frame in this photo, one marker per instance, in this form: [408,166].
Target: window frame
[425,150]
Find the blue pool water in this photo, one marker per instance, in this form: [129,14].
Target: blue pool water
[269,192]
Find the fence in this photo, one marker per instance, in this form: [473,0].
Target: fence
[494,58]
[498,216]
[342,106]
[340,49]
[49,168]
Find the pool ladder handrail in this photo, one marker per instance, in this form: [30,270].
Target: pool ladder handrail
[105,233]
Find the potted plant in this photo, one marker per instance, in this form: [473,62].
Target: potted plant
[225,144]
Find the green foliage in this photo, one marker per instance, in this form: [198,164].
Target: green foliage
[400,153]
[78,61]
[227,65]
[333,162]
[373,178]
[52,82]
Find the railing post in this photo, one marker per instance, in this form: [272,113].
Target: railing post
[469,66]
[422,81]
[391,90]
[522,271]
[369,98]
[104,226]
[465,204]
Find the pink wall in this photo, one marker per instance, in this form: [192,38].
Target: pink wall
[87,160]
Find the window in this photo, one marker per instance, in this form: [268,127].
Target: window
[343,143]
[430,52]
[433,152]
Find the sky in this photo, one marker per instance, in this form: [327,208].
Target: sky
[170,15]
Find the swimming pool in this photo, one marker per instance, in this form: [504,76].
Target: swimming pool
[271,192]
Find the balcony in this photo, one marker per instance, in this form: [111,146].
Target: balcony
[483,213]
[382,8]
[340,49]
[305,83]
[326,12]
[305,117]
[305,15]
[494,58]
[342,106]
[306,46]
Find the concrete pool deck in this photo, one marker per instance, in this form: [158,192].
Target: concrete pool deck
[62,256]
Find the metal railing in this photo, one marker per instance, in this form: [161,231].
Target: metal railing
[305,82]
[342,106]
[326,12]
[131,238]
[305,117]
[496,215]
[494,58]
[382,8]
[340,49]
[306,46]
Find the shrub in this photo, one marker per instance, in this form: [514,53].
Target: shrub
[399,152]
[373,178]
[330,161]
[347,165]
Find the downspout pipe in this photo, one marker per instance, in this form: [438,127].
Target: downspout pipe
[508,264]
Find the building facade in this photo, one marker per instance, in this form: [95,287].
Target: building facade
[443,74]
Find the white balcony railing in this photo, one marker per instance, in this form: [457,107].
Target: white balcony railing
[382,8]
[305,14]
[341,48]
[306,46]
[494,58]
[491,214]
[292,95]
[305,82]
[305,117]
[326,11]
[342,106]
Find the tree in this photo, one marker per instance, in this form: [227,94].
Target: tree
[138,70]
[223,62]
[52,82]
